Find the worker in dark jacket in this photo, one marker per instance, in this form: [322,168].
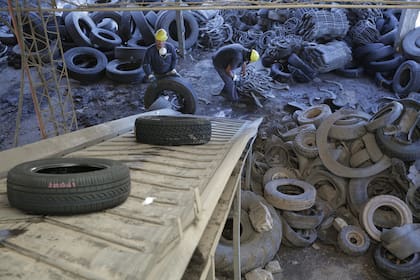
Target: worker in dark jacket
[160,58]
[227,59]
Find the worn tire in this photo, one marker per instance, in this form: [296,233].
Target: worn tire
[399,206]
[172,130]
[167,21]
[256,248]
[297,194]
[64,186]
[408,269]
[124,71]
[411,45]
[81,73]
[407,77]
[353,241]
[182,89]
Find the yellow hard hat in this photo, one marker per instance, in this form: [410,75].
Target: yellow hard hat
[254,56]
[161,35]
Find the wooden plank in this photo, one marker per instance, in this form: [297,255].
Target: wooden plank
[15,266]
[3,185]
[132,233]
[178,257]
[152,152]
[155,213]
[84,255]
[201,263]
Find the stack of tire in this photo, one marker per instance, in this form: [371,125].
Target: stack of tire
[121,39]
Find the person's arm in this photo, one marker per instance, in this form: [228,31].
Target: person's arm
[243,71]
[228,70]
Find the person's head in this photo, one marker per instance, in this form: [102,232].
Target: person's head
[254,56]
[160,38]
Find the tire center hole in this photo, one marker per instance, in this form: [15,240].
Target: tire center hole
[228,229]
[290,190]
[67,169]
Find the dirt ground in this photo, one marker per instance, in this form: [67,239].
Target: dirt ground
[105,101]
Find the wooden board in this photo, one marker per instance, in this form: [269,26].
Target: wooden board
[174,191]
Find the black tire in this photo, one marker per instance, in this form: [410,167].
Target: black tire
[94,67]
[167,21]
[133,54]
[185,96]
[350,71]
[360,52]
[393,268]
[410,45]
[380,54]
[407,78]
[389,65]
[353,241]
[124,71]
[127,27]
[144,27]
[172,130]
[74,22]
[104,39]
[278,74]
[297,62]
[382,81]
[394,148]
[65,186]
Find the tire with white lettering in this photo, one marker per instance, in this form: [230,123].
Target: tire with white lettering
[65,186]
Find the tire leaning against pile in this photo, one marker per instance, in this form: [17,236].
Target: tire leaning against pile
[172,131]
[257,248]
[181,87]
[64,186]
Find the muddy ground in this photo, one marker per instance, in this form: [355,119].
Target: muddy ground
[106,100]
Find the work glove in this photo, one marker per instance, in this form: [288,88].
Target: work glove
[151,78]
[173,72]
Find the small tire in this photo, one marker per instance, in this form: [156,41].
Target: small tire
[353,241]
[64,186]
[393,202]
[172,131]
[297,194]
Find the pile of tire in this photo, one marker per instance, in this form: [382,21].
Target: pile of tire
[103,43]
[351,165]
[298,44]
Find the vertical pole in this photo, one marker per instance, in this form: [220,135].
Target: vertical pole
[237,232]
[180,31]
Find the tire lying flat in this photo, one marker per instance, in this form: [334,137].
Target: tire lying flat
[172,131]
[64,186]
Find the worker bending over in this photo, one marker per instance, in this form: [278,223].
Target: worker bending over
[160,58]
[229,58]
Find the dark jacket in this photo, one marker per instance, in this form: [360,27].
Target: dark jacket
[155,63]
[233,54]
